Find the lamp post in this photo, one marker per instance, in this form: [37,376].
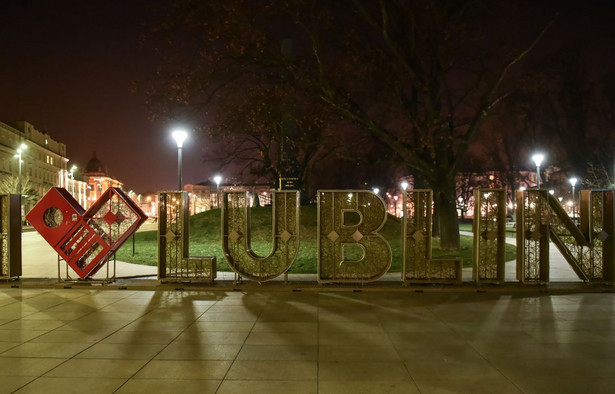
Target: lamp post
[179,136]
[376,190]
[538,158]
[18,156]
[217,179]
[573,181]
[404,187]
[72,177]
[395,198]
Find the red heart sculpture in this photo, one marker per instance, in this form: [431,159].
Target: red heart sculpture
[86,240]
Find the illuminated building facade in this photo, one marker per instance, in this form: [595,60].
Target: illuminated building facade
[43,158]
[97,179]
[44,161]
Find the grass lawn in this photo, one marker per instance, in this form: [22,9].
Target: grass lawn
[205,241]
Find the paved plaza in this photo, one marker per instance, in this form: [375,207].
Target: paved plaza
[282,341]
[136,335]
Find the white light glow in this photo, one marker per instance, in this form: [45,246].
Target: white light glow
[179,136]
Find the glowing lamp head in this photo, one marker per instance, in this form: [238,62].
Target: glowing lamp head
[573,181]
[179,136]
[538,158]
[404,185]
[20,149]
[217,179]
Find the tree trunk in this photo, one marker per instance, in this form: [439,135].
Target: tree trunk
[446,209]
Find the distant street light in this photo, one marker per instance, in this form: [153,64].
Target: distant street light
[573,181]
[72,176]
[217,179]
[538,158]
[404,187]
[18,156]
[179,136]
[376,190]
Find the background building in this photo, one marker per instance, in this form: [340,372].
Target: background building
[97,179]
[43,159]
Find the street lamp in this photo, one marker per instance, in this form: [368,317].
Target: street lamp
[538,158]
[72,176]
[376,190]
[18,156]
[573,181]
[179,136]
[404,185]
[217,179]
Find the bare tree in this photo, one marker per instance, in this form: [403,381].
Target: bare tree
[418,76]
[10,185]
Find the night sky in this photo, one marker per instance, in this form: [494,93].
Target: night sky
[68,68]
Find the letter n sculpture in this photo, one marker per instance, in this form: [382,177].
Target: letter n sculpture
[588,248]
